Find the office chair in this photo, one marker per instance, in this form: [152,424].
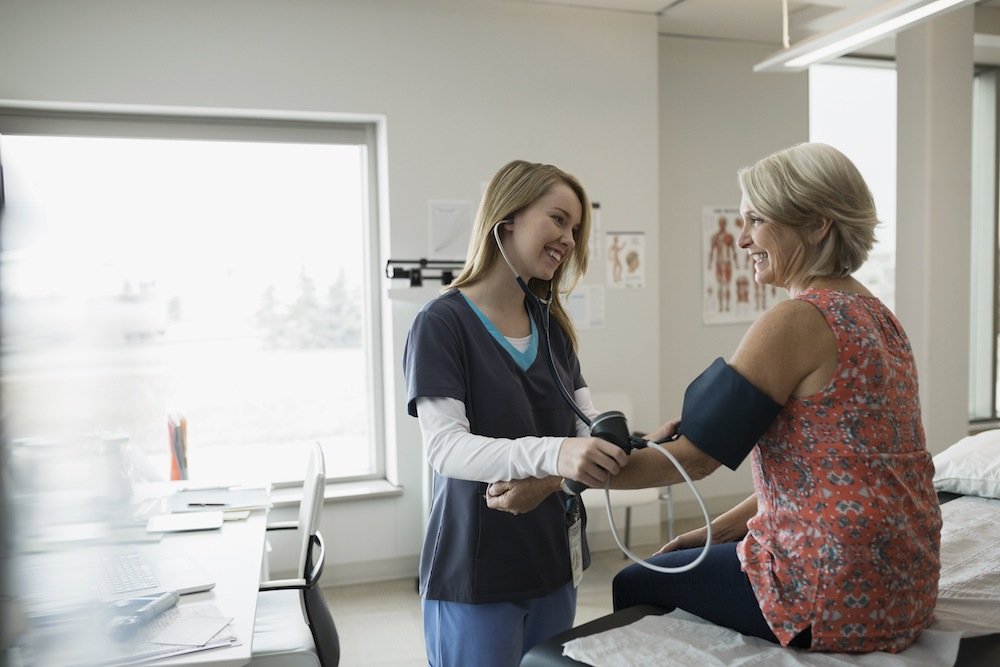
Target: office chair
[294,626]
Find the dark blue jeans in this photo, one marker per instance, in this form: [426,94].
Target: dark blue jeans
[716,590]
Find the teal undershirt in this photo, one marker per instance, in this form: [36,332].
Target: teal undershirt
[522,359]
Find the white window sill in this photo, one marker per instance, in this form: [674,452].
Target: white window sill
[338,491]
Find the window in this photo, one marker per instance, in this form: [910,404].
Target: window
[853,108]
[217,268]
[984,382]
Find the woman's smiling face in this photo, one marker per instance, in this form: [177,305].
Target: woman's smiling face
[544,234]
[777,252]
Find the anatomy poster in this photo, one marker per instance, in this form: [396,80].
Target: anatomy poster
[729,294]
[626,255]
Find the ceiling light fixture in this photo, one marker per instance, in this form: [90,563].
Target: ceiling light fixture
[885,19]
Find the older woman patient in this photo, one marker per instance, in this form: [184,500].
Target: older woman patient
[838,547]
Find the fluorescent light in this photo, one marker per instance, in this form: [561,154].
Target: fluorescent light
[886,19]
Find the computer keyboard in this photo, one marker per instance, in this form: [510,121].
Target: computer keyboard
[127,572]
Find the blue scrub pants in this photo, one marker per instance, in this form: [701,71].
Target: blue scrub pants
[496,634]
[717,590]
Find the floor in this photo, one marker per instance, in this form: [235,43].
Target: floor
[369,614]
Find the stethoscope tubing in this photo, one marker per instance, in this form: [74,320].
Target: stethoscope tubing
[538,309]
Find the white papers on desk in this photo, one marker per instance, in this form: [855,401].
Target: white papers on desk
[175,632]
[219,499]
[180,630]
[969,587]
[197,627]
[184,521]
[695,643]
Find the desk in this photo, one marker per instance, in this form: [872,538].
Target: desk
[234,554]
[67,618]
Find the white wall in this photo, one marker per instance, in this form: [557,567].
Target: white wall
[464,85]
[656,128]
[934,193]
[716,116]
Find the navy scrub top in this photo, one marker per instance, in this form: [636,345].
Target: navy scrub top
[471,553]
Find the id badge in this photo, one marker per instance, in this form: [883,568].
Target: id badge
[576,550]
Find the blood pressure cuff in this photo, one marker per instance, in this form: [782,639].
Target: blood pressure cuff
[724,415]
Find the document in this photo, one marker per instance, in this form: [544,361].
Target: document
[222,499]
[177,631]
[180,522]
[198,627]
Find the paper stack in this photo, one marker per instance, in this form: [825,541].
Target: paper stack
[225,499]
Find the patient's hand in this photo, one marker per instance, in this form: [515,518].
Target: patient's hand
[689,540]
[729,527]
[520,495]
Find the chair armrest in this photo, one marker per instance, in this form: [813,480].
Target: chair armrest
[316,569]
[282,584]
[315,566]
[283,525]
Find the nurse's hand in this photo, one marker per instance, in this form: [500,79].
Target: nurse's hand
[520,495]
[590,460]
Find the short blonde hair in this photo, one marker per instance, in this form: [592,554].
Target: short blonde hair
[516,186]
[802,186]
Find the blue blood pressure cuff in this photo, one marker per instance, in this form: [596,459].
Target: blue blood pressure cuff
[724,415]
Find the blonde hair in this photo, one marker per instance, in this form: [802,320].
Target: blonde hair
[516,186]
[801,187]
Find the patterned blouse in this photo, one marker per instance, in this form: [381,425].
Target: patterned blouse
[846,538]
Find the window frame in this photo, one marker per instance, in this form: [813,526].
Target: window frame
[260,126]
[985,265]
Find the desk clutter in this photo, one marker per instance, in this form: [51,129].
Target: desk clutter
[181,522]
[113,593]
[218,498]
[199,508]
[81,628]
[177,441]
[176,631]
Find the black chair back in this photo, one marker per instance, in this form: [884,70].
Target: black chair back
[321,625]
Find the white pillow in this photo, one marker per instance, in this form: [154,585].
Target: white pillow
[971,466]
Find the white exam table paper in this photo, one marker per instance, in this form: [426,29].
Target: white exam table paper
[652,640]
[969,587]
[968,606]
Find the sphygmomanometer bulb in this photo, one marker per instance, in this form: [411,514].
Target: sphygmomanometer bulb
[610,426]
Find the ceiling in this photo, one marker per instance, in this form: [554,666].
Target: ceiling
[761,20]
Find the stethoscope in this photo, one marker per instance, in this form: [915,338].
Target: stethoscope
[611,426]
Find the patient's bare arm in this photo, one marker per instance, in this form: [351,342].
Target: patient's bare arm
[520,495]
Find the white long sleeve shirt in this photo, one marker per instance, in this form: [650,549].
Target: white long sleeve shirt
[453,451]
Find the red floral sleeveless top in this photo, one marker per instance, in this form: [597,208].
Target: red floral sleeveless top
[846,538]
